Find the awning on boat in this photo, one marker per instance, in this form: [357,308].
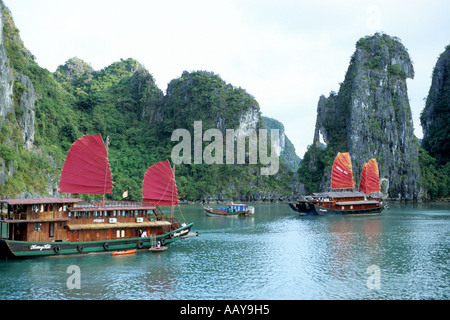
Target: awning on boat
[101,226]
[340,194]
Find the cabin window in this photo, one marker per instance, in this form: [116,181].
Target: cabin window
[52,230]
[4,234]
[100,214]
[123,233]
[118,234]
[70,215]
[95,214]
[114,213]
[90,214]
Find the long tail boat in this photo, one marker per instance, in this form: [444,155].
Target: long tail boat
[57,226]
[343,199]
[232,210]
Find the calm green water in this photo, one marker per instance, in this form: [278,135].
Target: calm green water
[275,255]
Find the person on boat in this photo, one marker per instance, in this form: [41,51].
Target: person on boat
[144,234]
[159,245]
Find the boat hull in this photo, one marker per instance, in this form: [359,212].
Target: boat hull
[24,249]
[212,213]
[319,210]
[305,209]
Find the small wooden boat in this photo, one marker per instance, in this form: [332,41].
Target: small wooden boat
[123,253]
[160,249]
[232,210]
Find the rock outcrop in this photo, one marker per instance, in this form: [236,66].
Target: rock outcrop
[370,116]
[6,74]
[435,118]
[26,103]
[284,147]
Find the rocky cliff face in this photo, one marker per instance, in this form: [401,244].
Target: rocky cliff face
[6,74]
[284,147]
[17,101]
[371,117]
[435,118]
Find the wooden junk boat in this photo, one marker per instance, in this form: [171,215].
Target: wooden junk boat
[232,210]
[343,199]
[54,226]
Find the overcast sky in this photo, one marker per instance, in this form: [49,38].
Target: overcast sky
[285,53]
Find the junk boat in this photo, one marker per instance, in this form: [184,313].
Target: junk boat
[232,210]
[343,199]
[55,227]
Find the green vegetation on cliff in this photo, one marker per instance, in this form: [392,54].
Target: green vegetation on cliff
[122,102]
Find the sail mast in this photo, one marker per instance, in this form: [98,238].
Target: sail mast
[173,186]
[107,155]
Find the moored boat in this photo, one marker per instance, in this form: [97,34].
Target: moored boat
[124,253]
[232,210]
[343,199]
[158,249]
[54,226]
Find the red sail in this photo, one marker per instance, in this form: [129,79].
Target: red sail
[372,177]
[341,173]
[159,186]
[87,169]
[362,184]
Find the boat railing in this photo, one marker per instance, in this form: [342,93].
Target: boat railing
[95,204]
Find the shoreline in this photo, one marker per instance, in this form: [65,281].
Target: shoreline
[388,200]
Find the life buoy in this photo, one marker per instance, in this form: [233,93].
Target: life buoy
[163,241]
[106,246]
[57,249]
[80,248]
[140,245]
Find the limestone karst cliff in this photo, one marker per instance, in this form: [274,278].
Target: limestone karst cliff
[435,118]
[369,117]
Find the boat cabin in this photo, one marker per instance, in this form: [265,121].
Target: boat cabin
[37,220]
[61,220]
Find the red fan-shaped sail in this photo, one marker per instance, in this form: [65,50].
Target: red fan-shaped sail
[159,186]
[362,184]
[87,169]
[371,182]
[341,173]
